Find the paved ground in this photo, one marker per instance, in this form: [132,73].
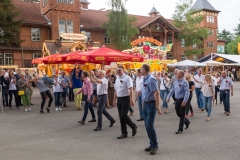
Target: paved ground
[58,136]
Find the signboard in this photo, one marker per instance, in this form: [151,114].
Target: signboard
[238,48]
[221,49]
[146,39]
[73,36]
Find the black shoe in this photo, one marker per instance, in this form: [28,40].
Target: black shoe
[134,131]
[98,128]
[42,111]
[31,103]
[81,122]
[141,119]
[178,132]
[202,109]
[48,110]
[93,120]
[122,136]
[187,126]
[20,104]
[154,150]
[111,123]
[148,149]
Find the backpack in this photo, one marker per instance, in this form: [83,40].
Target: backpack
[49,81]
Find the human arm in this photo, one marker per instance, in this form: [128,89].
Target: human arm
[130,87]
[201,82]
[131,100]
[186,95]
[115,99]
[171,92]
[89,89]
[157,98]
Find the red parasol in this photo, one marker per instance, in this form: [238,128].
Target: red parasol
[45,59]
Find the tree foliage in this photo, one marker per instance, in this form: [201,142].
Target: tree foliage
[226,35]
[9,23]
[237,30]
[119,26]
[188,22]
[232,47]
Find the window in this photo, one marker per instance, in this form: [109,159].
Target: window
[210,19]
[61,24]
[88,36]
[106,39]
[210,32]
[37,55]
[27,64]
[194,45]
[183,57]
[210,44]
[65,1]
[44,3]
[169,57]
[59,1]
[69,27]
[157,38]
[182,43]
[71,1]
[194,58]
[1,59]
[169,40]
[35,33]
[8,59]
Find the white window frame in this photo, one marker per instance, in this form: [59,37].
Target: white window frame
[34,55]
[169,56]
[61,27]
[88,36]
[211,32]
[69,27]
[59,1]
[65,1]
[70,1]
[210,19]
[10,59]
[210,45]
[194,58]
[106,39]
[183,57]
[36,37]
[182,43]
[169,40]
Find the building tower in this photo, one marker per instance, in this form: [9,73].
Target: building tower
[64,16]
[153,12]
[210,22]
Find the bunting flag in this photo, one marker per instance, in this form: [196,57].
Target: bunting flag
[168,47]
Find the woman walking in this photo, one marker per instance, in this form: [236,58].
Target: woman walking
[191,89]
[87,92]
[77,85]
[44,91]
[208,91]
[23,86]
[57,90]
[13,90]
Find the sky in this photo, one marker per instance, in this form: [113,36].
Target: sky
[228,18]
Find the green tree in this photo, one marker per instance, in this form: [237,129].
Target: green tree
[188,22]
[119,26]
[232,47]
[237,30]
[9,23]
[226,35]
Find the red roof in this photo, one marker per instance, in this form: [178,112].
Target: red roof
[95,18]
[30,12]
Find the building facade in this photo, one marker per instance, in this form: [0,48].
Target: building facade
[44,22]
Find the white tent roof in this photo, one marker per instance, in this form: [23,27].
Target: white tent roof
[234,58]
[213,63]
[187,63]
[227,58]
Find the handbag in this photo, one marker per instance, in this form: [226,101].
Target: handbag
[20,93]
[165,86]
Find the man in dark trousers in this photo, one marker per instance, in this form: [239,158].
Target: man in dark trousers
[4,84]
[181,90]
[123,99]
[17,75]
[151,103]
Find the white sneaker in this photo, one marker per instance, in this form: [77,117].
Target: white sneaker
[59,108]
[56,108]
[26,109]
[29,109]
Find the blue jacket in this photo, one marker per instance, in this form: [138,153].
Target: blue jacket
[77,82]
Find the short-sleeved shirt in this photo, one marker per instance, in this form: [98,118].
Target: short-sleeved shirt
[65,80]
[102,89]
[199,78]
[164,83]
[122,85]
[42,86]
[139,84]
[190,85]
[149,87]
[58,87]
[226,83]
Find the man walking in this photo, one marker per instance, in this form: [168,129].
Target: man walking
[181,90]
[139,84]
[151,102]
[102,94]
[123,94]
[199,77]
[226,84]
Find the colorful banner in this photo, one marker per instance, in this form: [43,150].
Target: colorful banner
[168,47]
[238,48]
[221,49]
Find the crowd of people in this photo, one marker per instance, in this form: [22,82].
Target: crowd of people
[101,89]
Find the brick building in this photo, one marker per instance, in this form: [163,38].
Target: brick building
[44,22]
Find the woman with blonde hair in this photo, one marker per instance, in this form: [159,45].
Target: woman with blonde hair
[191,89]
[208,91]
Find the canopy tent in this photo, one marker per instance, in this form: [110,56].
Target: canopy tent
[213,63]
[187,63]
[224,58]
[45,59]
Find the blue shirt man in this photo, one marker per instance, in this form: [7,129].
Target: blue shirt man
[151,102]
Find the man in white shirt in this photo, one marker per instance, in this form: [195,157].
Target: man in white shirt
[102,94]
[123,94]
[139,84]
[198,87]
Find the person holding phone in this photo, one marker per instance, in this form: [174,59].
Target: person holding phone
[13,90]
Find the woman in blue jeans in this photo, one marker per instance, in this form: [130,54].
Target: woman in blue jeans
[57,90]
[208,91]
[164,89]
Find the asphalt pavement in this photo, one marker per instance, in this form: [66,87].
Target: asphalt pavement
[58,136]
